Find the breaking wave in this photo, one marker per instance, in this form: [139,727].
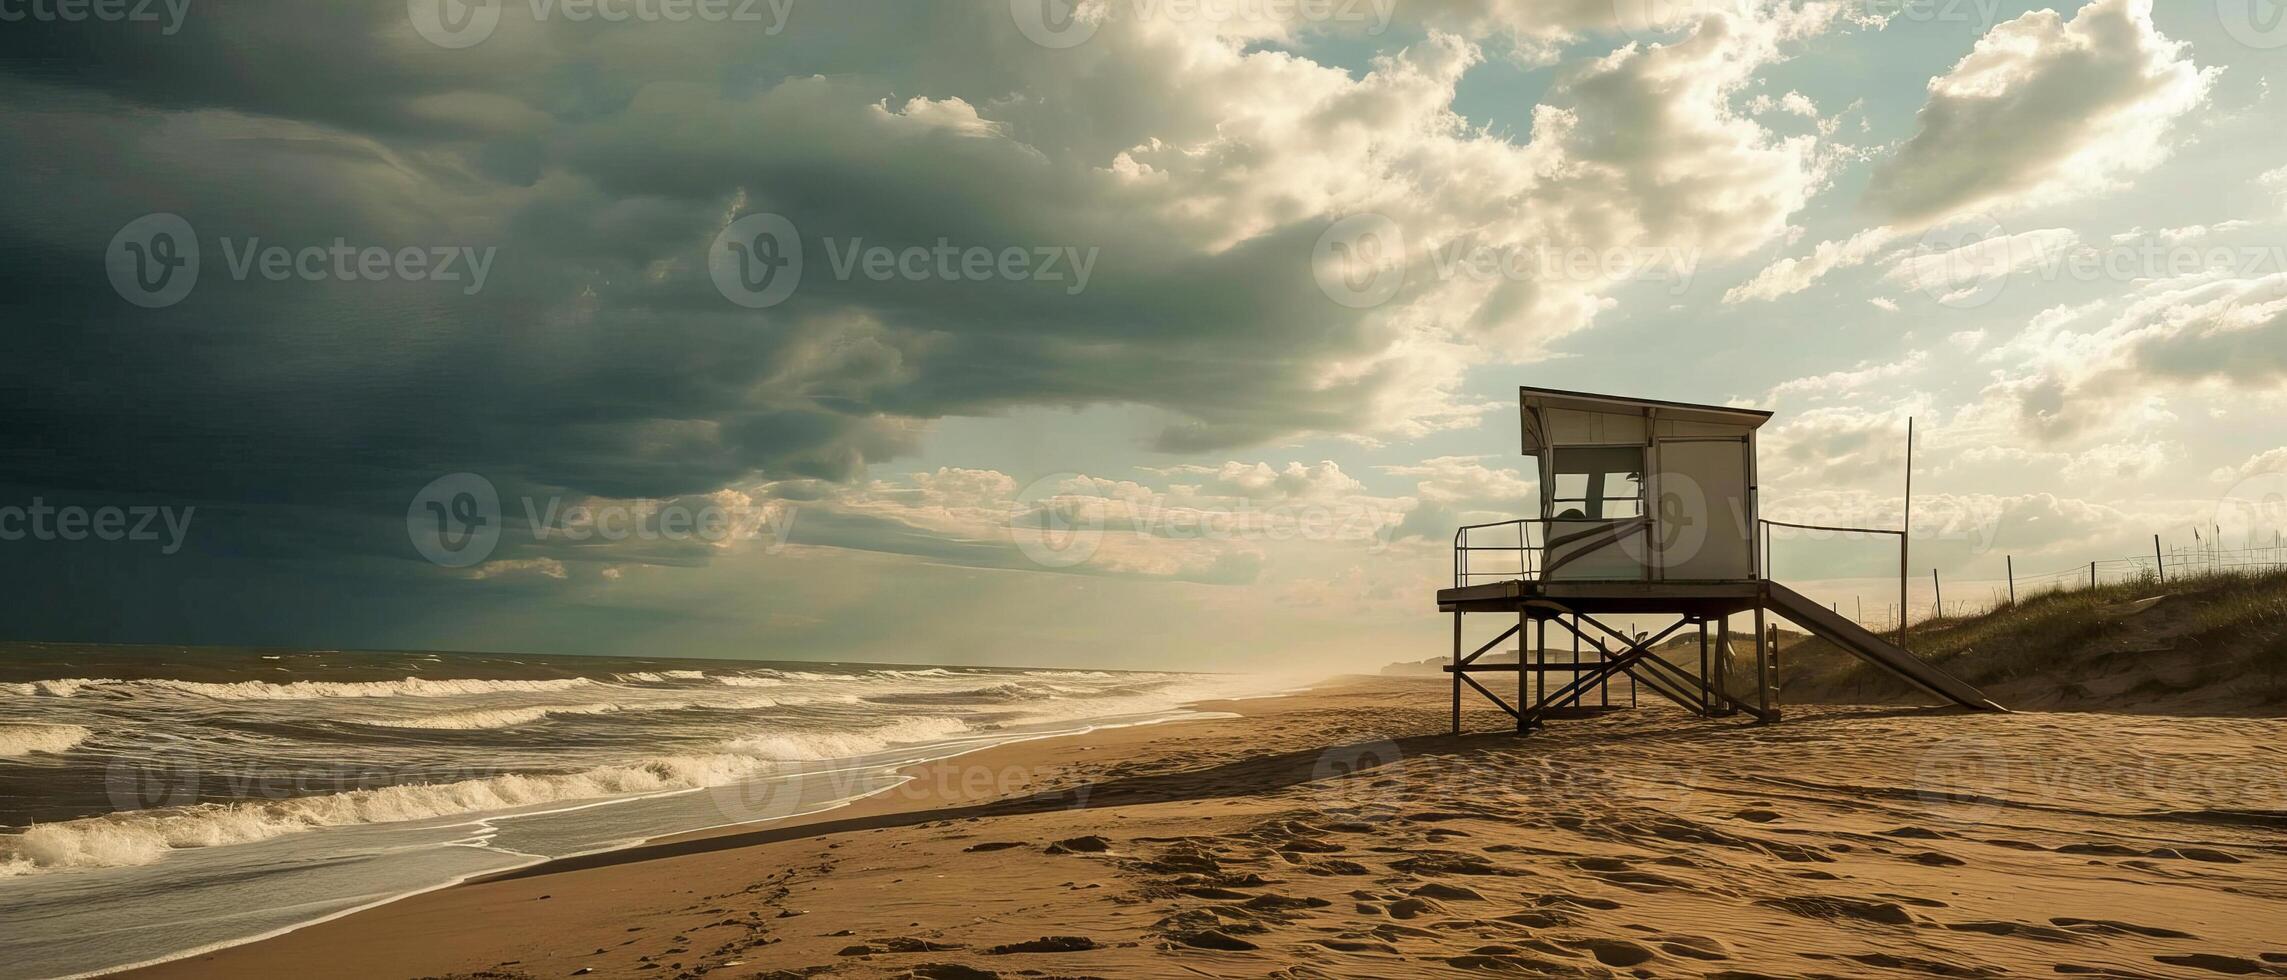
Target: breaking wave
[18,740]
[482,718]
[143,836]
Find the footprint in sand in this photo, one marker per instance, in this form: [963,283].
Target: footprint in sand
[2110,927]
[1834,907]
[1916,964]
[2214,963]
[1451,893]
[2017,930]
[1693,947]
[1614,952]
[1408,908]
[1212,939]
[1046,944]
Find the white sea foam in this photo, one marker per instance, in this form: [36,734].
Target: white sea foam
[410,687]
[18,740]
[659,677]
[812,746]
[482,718]
[143,836]
[741,680]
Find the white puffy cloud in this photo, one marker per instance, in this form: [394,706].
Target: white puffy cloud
[1791,275]
[2267,461]
[1260,481]
[2211,330]
[2044,108]
[1956,274]
[2275,181]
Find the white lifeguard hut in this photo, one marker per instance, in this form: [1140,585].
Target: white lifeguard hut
[1646,507]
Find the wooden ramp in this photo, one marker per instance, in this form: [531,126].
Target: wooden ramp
[1825,624]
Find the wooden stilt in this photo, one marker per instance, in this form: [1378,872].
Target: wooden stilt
[1457,672]
[1762,667]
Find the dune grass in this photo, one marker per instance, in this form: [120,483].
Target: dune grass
[2213,628]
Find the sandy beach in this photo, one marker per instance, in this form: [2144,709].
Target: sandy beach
[1342,832]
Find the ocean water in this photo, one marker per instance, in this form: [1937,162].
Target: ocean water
[158,801]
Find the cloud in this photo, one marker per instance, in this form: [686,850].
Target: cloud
[1259,481]
[1957,274]
[2275,181]
[2212,330]
[1455,490]
[2043,109]
[1073,523]
[1790,275]
[2269,461]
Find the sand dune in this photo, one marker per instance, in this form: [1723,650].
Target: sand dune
[1340,834]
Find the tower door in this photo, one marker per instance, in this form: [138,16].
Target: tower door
[1700,510]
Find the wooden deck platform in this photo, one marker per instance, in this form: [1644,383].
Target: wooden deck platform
[1682,598]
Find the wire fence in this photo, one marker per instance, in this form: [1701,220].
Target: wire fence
[1931,596]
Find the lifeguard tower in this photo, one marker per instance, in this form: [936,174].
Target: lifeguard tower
[1647,508]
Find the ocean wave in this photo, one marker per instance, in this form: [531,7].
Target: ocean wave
[411,687]
[742,680]
[484,718]
[18,740]
[659,677]
[814,746]
[143,836]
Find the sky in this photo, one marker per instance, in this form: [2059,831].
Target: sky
[1130,333]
